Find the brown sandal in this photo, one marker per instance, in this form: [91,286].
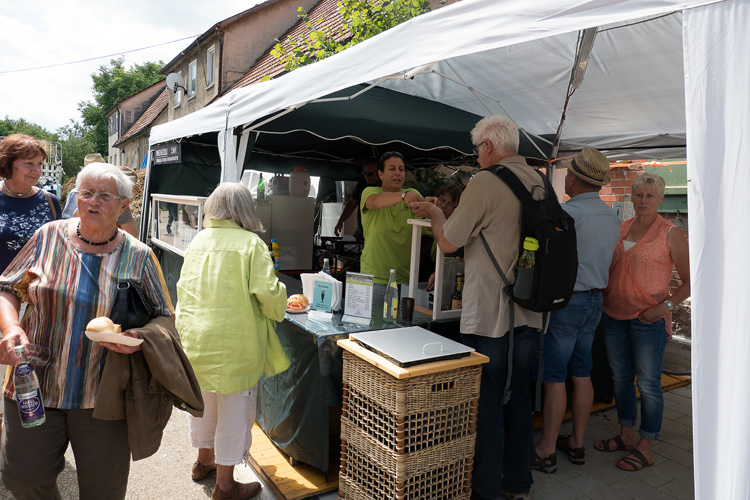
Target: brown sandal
[577,456]
[636,461]
[603,445]
[547,465]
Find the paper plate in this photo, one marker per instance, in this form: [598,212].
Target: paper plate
[114,338]
[299,311]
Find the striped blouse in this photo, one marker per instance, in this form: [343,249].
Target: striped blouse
[65,289]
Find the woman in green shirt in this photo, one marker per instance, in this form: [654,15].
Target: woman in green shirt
[385,210]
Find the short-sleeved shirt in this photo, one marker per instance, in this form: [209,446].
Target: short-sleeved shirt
[488,206]
[597,232]
[19,219]
[387,239]
[66,288]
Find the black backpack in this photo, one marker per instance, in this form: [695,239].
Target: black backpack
[556,259]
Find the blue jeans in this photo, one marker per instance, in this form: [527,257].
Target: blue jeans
[505,433]
[637,348]
[567,344]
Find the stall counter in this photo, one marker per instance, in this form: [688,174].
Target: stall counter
[299,408]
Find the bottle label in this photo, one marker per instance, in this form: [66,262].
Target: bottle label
[456,304]
[394,309]
[23,370]
[30,405]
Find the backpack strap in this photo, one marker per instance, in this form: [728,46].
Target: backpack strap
[524,196]
[51,204]
[511,330]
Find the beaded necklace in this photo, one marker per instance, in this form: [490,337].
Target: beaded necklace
[96,244]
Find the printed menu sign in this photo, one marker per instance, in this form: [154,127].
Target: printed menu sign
[358,305]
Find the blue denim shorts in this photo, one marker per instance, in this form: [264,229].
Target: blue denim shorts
[567,344]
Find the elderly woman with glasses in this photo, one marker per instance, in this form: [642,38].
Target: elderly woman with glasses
[68,272]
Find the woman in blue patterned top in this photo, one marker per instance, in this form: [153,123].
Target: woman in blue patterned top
[23,206]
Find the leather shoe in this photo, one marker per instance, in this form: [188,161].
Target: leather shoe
[251,490]
[200,471]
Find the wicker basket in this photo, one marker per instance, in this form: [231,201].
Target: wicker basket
[407,438]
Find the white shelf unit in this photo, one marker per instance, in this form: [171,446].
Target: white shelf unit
[416,245]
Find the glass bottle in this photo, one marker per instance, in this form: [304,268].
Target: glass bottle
[525,269]
[326,267]
[457,297]
[28,394]
[390,302]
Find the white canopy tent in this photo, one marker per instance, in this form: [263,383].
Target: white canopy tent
[644,78]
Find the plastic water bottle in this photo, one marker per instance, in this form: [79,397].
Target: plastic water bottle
[326,267]
[276,252]
[28,395]
[525,269]
[261,192]
[390,302]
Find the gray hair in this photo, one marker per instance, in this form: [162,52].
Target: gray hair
[501,132]
[233,201]
[95,172]
[651,180]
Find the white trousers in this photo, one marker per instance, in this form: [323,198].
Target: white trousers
[226,425]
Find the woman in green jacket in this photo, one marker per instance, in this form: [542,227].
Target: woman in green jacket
[227,301]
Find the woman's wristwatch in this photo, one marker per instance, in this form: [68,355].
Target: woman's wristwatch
[403,195]
[669,304]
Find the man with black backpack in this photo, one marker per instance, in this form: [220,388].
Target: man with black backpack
[489,207]
[567,349]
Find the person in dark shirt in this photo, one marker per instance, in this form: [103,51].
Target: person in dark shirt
[23,206]
[369,178]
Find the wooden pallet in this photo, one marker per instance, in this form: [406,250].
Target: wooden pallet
[668,382]
[289,481]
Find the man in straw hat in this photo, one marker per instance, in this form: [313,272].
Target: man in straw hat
[567,346]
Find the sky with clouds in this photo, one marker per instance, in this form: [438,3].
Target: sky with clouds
[52,32]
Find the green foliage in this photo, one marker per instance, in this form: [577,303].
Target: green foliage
[75,143]
[362,19]
[428,181]
[21,126]
[112,84]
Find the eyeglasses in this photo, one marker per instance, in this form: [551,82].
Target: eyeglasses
[104,197]
[446,203]
[476,148]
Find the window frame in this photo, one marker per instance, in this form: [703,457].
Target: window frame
[178,94]
[192,82]
[210,66]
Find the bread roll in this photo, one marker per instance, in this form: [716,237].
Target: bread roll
[297,302]
[103,324]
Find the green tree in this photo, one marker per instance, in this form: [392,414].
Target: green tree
[112,84]
[20,126]
[75,143]
[361,19]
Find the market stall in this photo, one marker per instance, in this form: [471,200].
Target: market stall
[635,78]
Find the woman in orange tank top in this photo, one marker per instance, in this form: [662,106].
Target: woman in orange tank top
[638,318]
